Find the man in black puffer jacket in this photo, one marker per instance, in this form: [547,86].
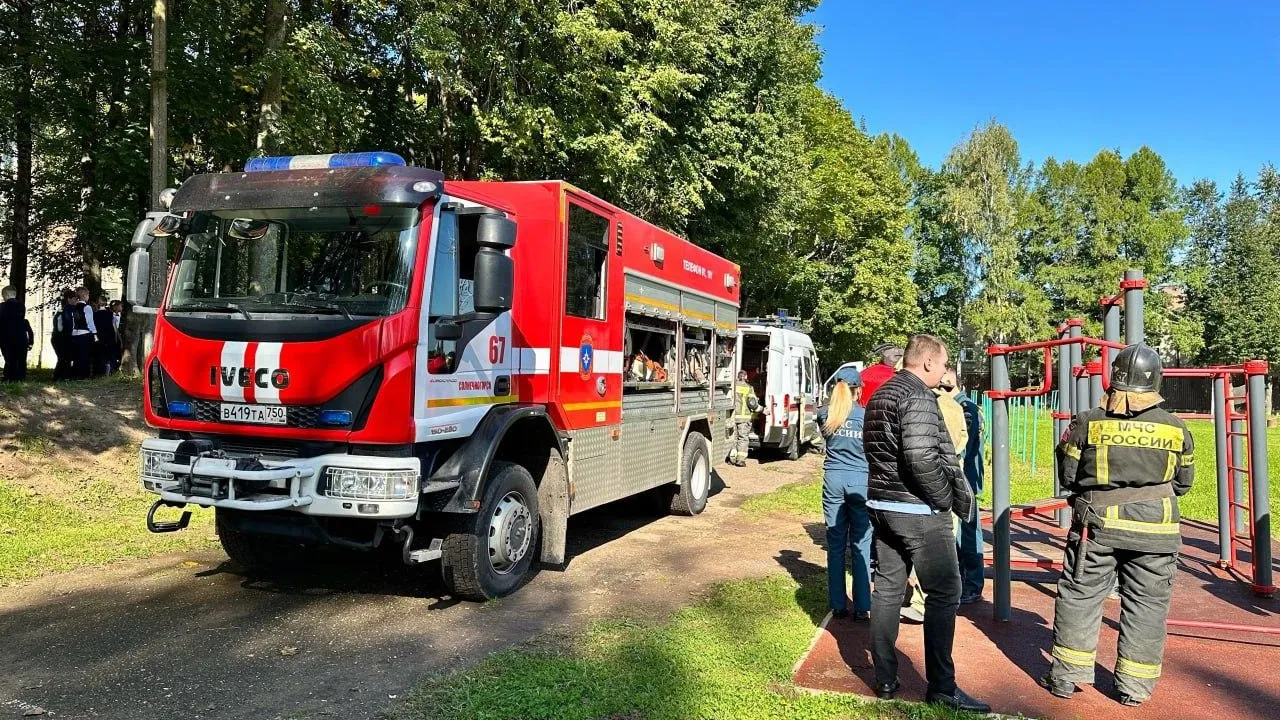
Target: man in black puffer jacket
[915,485]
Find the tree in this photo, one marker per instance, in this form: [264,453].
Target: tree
[1086,224]
[855,276]
[23,80]
[1245,310]
[984,197]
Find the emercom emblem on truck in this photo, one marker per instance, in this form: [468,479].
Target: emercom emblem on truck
[231,375]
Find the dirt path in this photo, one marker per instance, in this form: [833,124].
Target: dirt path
[187,637]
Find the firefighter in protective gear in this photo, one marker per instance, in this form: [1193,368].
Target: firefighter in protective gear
[744,409]
[1125,464]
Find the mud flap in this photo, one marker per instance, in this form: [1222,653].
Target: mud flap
[553,507]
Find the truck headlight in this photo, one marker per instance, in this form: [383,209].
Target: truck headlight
[151,461]
[362,484]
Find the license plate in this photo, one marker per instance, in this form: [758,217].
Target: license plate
[259,414]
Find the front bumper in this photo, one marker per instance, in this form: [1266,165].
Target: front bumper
[290,484]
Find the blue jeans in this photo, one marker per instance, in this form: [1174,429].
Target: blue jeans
[969,550]
[844,507]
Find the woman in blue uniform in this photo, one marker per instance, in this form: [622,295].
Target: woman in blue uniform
[844,496]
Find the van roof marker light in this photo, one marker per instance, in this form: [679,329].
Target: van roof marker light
[318,162]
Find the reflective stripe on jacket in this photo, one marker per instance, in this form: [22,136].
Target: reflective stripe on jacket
[741,412]
[1146,459]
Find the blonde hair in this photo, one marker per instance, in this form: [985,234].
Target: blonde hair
[920,347]
[838,408]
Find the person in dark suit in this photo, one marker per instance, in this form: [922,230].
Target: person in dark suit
[61,339]
[107,349]
[16,338]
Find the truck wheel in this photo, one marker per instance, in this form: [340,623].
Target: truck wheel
[690,496]
[254,553]
[490,555]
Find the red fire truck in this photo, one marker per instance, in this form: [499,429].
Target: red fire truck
[353,351]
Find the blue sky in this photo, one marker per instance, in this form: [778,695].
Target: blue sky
[1198,82]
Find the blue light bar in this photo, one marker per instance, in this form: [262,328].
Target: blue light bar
[315,162]
[335,417]
[180,408]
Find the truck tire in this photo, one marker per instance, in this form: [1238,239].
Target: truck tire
[690,496]
[255,554]
[490,553]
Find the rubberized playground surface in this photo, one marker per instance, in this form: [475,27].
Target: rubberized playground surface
[1207,673]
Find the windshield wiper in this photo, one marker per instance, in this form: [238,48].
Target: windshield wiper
[321,307]
[222,307]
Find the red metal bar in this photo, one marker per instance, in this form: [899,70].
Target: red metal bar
[1099,343]
[1044,388]
[1006,349]
[1229,627]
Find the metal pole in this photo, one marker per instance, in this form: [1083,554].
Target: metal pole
[1134,327]
[1095,383]
[1256,373]
[1064,408]
[1110,321]
[1220,388]
[1000,483]
[1036,402]
[1111,332]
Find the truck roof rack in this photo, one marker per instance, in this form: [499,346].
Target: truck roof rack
[777,321]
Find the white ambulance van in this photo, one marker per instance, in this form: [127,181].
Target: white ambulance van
[782,370]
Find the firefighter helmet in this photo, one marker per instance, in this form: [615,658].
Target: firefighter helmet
[1136,368]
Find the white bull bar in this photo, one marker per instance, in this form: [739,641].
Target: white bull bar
[298,476]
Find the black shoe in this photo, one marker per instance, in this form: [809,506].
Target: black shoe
[1128,700]
[839,614]
[1056,688]
[862,616]
[886,691]
[959,700]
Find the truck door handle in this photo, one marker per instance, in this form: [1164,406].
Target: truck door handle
[502,385]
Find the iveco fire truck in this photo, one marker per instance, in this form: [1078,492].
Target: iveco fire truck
[356,352]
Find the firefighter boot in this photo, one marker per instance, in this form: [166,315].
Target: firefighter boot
[1077,614]
[1146,587]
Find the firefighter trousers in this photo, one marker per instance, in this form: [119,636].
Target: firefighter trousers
[1146,586]
[741,440]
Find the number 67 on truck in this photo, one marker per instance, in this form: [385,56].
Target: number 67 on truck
[351,351]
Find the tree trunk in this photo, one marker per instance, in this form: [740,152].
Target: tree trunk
[137,328]
[159,103]
[87,222]
[20,227]
[269,108]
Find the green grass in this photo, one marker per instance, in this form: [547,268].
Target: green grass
[95,524]
[728,657]
[800,498]
[804,499]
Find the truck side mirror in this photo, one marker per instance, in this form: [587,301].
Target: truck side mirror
[139,283]
[495,271]
[496,231]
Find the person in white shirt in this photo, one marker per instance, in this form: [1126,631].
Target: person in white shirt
[83,335]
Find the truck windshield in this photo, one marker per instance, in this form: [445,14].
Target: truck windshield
[347,261]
